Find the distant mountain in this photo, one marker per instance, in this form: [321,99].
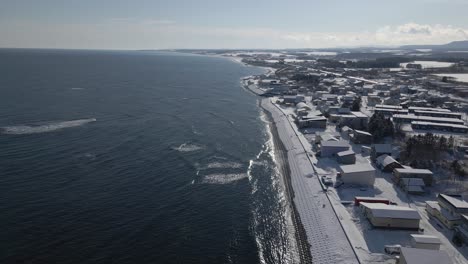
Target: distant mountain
[452,46]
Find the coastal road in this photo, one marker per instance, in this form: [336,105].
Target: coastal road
[327,239]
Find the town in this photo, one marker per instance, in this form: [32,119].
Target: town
[382,141]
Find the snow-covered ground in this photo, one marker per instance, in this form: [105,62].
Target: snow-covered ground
[367,242]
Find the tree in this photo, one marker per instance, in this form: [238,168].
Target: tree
[380,127]
[356,106]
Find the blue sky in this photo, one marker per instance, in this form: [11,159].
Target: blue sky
[146,24]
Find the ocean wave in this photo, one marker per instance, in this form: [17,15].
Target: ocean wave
[44,127]
[187,147]
[224,165]
[223,178]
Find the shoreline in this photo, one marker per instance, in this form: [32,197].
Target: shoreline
[283,166]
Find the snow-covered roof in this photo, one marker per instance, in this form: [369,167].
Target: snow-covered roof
[363,167]
[385,160]
[457,203]
[362,132]
[425,239]
[339,143]
[392,211]
[345,153]
[359,114]
[424,256]
[413,171]
[303,105]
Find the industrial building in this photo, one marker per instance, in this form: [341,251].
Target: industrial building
[423,256]
[410,118]
[425,175]
[358,174]
[439,126]
[391,216]
[447,209]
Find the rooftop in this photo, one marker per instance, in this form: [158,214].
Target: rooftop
[424,256]
[339,143]
[413,171]
[392,211]
[426,239]
[364,167]
[457,203]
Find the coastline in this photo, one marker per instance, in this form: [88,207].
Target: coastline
[283,166]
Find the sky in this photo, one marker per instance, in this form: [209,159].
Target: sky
[234,24]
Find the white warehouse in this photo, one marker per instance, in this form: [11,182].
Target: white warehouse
[359,174]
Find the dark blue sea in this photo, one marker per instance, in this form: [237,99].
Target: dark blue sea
[136,157]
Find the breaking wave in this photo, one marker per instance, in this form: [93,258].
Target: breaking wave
[223,178]
[187,147]
[224,165]
[44,127]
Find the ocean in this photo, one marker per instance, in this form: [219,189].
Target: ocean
[136,157]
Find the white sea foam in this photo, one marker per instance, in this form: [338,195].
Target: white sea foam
[224,165]
[45,127]
[187,147]
[223,178]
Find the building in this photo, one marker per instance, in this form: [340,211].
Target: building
[413,185]
[439,126]
[379,150]
[358,174]
[330,148]
[448,209]
[312,122]
[361,137]
[438,114]
[425,241]
[361,199]
[391,216]
[326,136]
[412,109]
[425,175]
[461,231]
[387,163]
[423,256]
[411,117]
[346,157]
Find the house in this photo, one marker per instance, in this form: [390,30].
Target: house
[425,241]
[329,148]
[361,137]
[391,216]
[358,174]
[400,173]
[412,185]
[346,157]
[448,209]
[387,163]
[380,149]
[423,256]
[326,136]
